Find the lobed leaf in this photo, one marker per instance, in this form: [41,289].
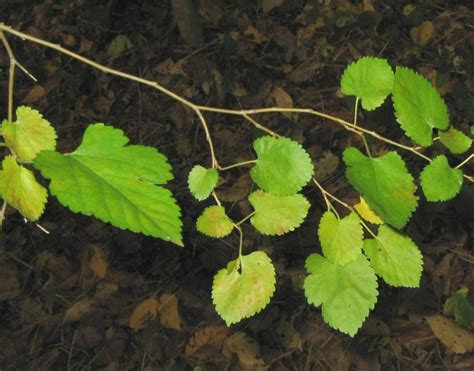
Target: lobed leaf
[244,287]
[454,140]
[283,167]
[277,215]
[385,184]
[418,106]
[29,134]
[439,181]
[116,183]
[395,258]
[202,181]
[20,189]
[370,79]
[341,239]
[346,293]
[214,222]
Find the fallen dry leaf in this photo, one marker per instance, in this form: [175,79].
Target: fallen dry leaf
[246,348]
[257,36]
[36,93]
[9,284]
[98,263]
[268,5]
[79,309]
[145,312]
[209,337]
[368,6]
[453,336]
[169,315]
[283,100]
[423,33]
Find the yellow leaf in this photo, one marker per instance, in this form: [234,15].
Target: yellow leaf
[98,263]
[145,312]
[365,212]
[453,336]
[408,9]
[423,33]
[169,315]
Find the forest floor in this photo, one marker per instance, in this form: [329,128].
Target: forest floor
[88,296]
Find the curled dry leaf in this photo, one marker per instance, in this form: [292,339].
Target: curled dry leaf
[98,263]
[209,338]
[169,315]
[145,312]
[246,348]
[423,33]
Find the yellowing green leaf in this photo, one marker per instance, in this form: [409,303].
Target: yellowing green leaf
[367,213]
[341,239]
[244,287]
[439,181]
[116,183]
[419,107]
[202,181]
[277,215]
[346,293]
[385,184]
[395,258]
[214,222]
[29,134]
[20,189]
[454,140]
[283,166]
[370,79]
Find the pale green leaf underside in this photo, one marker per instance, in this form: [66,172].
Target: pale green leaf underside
[20,189]
[115,183]
[241,292]
[439,181]
[341,239]
[214,222]
[370,79]
[277,215]
[395,258]
[419,107]
[346,293]
[29,134]
[283,167]
[202,181]
[454,140]
[385,184]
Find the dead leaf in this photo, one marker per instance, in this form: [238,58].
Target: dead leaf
[209,337]
[237,192]
[453,336]
[246,348]
[98,263]
[145,312]
[36,93]
[268,5]
[283,100]
[85,46]
[68,39]
[326,165]
[257,36]
[9,284]
[307,33]
[423,33]
[169,315]
[119,45]
[79,309]
[368,6]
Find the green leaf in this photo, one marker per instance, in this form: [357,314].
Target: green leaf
[439,181]
[29,134]
[454,140]
[418,106]
[115,183]
[385,184]
[283,166]
[462,308]
[347,293]
[277,215]
[244,288]
[214,222]
[369,79]
[20,189]
[395,258]
[202,181]
[341,239]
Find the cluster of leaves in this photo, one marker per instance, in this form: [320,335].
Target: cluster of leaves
[103,177]
[343,279]
[123,184]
